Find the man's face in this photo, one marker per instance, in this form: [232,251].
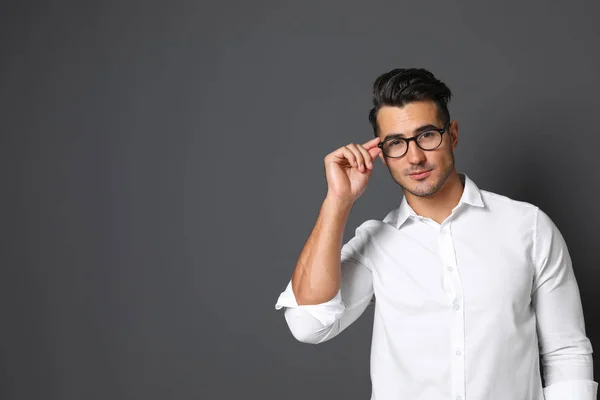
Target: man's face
[438,163]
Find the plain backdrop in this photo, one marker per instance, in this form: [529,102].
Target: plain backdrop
[162,167]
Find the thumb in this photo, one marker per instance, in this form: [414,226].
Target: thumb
[374,152]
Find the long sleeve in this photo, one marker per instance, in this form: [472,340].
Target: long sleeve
[320,322]
[565,350]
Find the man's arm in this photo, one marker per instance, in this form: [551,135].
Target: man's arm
[331,286]
[565,350]
[316,278]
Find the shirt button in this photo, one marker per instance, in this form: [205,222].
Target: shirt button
[456,307]
[450,268]
[458,398]
[458,352]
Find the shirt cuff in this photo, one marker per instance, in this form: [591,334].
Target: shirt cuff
[326,313]
[572,390]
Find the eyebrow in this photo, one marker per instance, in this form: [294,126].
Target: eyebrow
[417,131]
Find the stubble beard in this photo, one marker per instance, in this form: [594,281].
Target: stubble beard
[428,191]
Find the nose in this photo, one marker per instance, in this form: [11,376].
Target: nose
[414,154]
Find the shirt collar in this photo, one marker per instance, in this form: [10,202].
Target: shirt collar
[471,195]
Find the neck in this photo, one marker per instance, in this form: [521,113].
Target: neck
[439,205]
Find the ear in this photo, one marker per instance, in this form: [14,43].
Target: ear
[453,131]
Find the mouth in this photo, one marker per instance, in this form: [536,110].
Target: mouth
[420,175]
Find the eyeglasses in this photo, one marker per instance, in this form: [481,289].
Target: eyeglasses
[431,139]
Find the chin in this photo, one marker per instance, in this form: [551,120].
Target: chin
[423,188]
[421,191]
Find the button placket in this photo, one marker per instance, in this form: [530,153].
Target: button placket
[455,297]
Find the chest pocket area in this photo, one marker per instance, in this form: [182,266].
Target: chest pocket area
[414,287]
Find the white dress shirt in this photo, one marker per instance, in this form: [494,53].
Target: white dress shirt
[463,309]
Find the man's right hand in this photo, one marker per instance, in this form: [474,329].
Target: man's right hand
[348,170]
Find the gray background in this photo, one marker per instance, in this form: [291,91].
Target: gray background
[162,168]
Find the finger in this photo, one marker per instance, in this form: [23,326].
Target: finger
[371,143]
[360,159]
[343,154]
[374,152]
[366,156]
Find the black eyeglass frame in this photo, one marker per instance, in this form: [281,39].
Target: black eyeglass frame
[416,138]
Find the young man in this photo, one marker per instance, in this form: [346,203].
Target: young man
[471,287]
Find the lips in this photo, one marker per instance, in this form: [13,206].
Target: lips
[420,174]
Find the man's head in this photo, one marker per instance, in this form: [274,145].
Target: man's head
[408,103]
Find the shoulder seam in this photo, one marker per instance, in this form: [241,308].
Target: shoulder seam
[507,199]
